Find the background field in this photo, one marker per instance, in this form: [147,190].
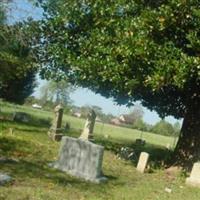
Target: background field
[30,146]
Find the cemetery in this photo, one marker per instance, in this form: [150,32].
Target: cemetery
[99,100]
[39,167]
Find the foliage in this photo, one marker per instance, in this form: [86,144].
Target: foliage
[138,50]
[56,92]
[177,128]
[136,114]
[131,51]
[17,63]
[163,128]
[140,125]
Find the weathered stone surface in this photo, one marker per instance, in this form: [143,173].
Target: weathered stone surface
[87,133]
[142,163]
[4,178]
[194,179]
[81,158]
[21,117]
[55,131]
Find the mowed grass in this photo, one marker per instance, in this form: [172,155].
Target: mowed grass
[33,179]
[102,130]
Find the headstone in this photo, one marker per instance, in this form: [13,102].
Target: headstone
[21,117]
[55,131]
[140,142]
[67,126]
[87,133]
[81,158]
[142,163]
[194,179]
[4,178]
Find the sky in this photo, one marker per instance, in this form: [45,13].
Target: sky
[20,10]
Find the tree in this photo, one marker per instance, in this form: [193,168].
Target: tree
[177,128]
[131,50]
[137,113]
[17,63]
[57,92]
[140,125]
[163,128]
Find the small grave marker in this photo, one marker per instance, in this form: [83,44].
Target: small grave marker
[142,163]
[194,179]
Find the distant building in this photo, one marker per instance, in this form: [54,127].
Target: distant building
[126,119]
[98,119]
[77,114]
[36,106]
[115,121]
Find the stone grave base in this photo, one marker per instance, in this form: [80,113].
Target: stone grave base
[193,182]
[55,135]
[81,158]
[194,179]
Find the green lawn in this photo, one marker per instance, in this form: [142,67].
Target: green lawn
[34,180]
[101,130]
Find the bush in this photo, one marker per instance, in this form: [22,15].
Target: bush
[163,128]
[140,125]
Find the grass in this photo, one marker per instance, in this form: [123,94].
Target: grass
[34,180]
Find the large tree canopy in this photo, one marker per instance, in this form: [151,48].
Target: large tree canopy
[130,50]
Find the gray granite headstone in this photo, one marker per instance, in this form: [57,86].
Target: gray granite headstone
[81,158]
[4,178]
[142,163]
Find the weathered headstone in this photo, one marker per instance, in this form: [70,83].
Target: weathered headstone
[140,142]
[142,163]
[194,179]
[87,133]
[55,131]
[81,158]
[21,117]
[4,178]
[67,126]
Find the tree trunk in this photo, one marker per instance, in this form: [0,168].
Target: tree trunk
[187,150]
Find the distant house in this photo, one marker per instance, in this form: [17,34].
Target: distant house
[115,121]
[98,119]
[36,106]
[126,119]
[77,114]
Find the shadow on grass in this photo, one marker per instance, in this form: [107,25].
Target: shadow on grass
[26,167]
[23,171]
[31,130]
[9,145]
[159,155]
[26,170]
[31,120]
[20,127]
